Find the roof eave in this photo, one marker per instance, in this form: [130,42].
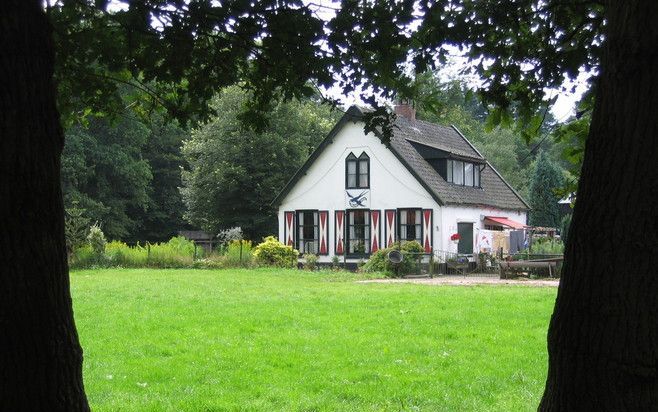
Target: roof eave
[354,113]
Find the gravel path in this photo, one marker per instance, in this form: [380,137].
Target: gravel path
[469,281]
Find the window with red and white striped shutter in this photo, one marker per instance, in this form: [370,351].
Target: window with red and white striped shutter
[324,232]
[389,227]
[289,228]
[340,231]
[375,221]
[427,230]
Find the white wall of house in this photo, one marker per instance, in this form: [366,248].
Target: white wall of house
[467,214]
[392,186]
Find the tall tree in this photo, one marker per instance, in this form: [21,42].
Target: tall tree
[235,172]
[104,172]
[41,358]
[603,338]
[544,185]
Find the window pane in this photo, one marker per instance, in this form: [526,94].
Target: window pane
[351,180]
[351,167]
[458,172]
[417,237]
[468,174]
[477,176]
[363,167]
[411,232]
[450,171]
[417,220]
[363,174]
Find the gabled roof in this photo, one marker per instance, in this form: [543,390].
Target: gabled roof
[495,190]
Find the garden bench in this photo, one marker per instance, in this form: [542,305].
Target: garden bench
[522,264]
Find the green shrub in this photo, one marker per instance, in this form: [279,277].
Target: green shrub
[547,246]
[271,252]
[335,263]
[96,239]
[234,257]
[211,262]
[378,261]
[310,261]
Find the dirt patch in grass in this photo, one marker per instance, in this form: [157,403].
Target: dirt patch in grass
[470,281]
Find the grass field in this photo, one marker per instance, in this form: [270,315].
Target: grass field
[270,340]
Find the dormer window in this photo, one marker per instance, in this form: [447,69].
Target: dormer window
[463,173]
[357,171]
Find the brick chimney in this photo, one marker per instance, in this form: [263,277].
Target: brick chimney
[406,109]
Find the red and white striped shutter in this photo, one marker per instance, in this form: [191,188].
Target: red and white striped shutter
[340,222]
[374,230]
[289,229]
[427,230]
[324,232]
[389,229]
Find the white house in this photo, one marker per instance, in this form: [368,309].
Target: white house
[354,195]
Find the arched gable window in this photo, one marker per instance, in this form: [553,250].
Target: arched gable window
[357,171]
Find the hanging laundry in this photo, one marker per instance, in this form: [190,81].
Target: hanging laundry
[516,240]
[485,241]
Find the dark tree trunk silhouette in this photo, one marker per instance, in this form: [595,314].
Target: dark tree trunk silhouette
[40,357]
[603,337]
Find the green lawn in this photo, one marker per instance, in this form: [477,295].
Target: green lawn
[270,340]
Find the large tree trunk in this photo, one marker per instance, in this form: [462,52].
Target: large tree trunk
[603,337]
[40,357]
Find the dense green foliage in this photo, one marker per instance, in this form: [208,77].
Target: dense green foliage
[285,340]
[235,173]
[125,175]
[271,252]
[547,246]
[76,228]
[544,197]
[104,172]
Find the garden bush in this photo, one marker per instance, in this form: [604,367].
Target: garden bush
[96,239]
[233,257]
[547,246]
[271,252]
[178,252]
[379,262]
[310,261]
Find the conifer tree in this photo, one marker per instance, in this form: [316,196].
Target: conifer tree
[543,196]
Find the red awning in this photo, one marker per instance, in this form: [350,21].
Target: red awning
[503,221]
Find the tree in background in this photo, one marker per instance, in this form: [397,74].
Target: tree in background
[76,227]
[163,216]
[103,170]
[235,172]
[125,173]
[544,185]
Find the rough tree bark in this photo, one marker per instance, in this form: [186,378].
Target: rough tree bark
[40,357]
[603,337]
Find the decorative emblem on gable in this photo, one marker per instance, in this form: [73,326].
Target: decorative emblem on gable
[357,198]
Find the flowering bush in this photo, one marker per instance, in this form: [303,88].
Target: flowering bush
[274,253]
[455,236]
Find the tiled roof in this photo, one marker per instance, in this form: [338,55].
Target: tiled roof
[494,192]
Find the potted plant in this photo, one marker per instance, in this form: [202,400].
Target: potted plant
[455,238]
